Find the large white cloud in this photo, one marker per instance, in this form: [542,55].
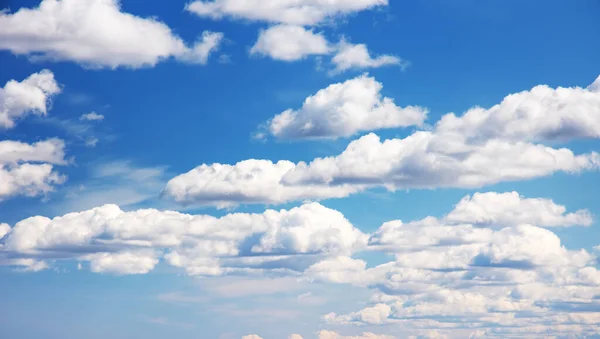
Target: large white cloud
[96,33]
[27,169]
[132,242]
[247,182]
[539,114]
[510,208]
[449,275]
[296,12]
[444,156]
[344,109]
[30,96]
[453,276]
[290,43]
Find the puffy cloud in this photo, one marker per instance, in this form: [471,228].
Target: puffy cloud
[252,336]
[96,33]
[357,56]
[27,169]
[502,278]
[92,116]
[489,209]
[290,43]
[445,156]
[302,12]
[247,182]
[539,114]
[427,160]
[344,109]
[132,242]
[122,263]
[30,96]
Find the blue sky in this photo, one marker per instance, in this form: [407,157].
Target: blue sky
[300,246]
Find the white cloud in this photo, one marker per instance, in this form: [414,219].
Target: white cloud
[302,12]
[290,43]
[30,96]
[203,48]
[95,33]
[488,209]
[539,114]
[27,169]
[122,263]
[498,278]
[132,242]
[448,274]
[247,182]
[440,157]
[344,109]
[92,116]
[357,56]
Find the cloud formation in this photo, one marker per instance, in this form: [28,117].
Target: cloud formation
[302,12]
[115,241]
[448,278]
[28,169]
[344,109]
[290,43]
[30,96]
[458,152]
[357,56]
[97,34]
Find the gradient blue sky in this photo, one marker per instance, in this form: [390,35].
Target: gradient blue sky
[173,116]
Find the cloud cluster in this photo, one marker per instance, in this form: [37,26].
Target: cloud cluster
[452,276]
[28,169]
[292,43]
[97,34]
[30,96]
[344,109]
[476,149]
[115,241]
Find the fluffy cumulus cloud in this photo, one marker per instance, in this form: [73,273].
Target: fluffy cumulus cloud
[97,34]
[357,56]
[290,43]
[540,114]
[119,242]
[459,152]
[344,109]
[28,169]
[488,209]
[302,12]
[454,279]
[30,96]
[247,182]
[453,276]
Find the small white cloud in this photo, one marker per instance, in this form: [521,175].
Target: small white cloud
[290,43]
[92,116]
[30,96]
[350,56]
